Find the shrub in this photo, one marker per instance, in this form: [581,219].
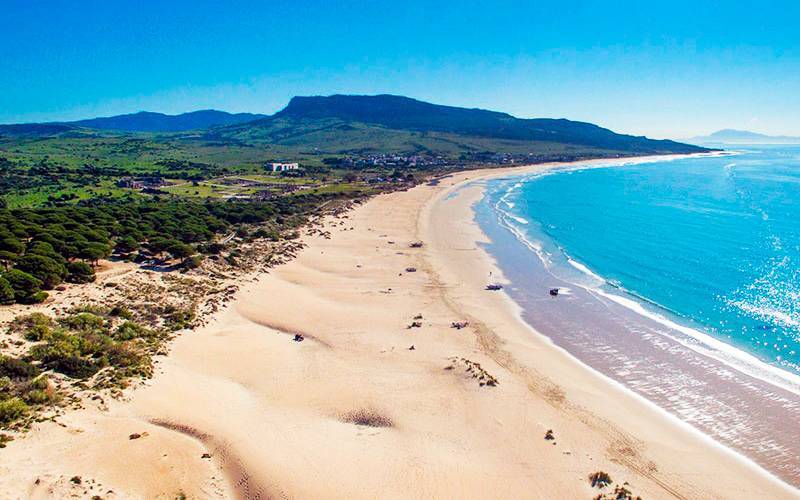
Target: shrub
[35,326]
[270,234]
[80,272]
[129,330]
[121,311]
[37,333]
[17,369]
[40,383]
[49,271]
[177,319]
[37,298]
[37,397]
[193,262]
[25,286]
[6,292]
[97,310]
[83,322]
[122,356]
[73,366]
[12,409]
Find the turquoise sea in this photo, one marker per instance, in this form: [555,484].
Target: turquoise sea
[680,279]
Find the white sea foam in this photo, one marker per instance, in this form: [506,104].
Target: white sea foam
[709,346]
[519,219]
[580,267]
[774,297]
[767,313]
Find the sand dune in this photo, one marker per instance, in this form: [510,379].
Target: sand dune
[353,412]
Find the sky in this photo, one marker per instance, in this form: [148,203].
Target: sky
[664,69]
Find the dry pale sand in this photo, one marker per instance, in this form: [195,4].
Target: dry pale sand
[277,416]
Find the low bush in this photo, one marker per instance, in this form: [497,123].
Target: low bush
[6,292]
[37,397]
[80,272]
[17,369]
[12,409]
[71,366]
[83,322]
[600,479]
[121,312]
[193,262]
[36,298]
[177,318]
[92,343]
[129,330]
[34,327]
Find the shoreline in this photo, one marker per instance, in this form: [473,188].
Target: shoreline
[520,311]
[353,411]
[735,356]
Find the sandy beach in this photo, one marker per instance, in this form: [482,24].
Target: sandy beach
[382,398]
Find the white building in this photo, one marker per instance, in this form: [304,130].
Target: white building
[281,167]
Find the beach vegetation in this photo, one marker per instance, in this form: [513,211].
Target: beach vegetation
[24,285]
[93,344]
[193,262]
[44,268]
[24,389]
[17,369]
[179,250]
[129,330]
[121,311]
[34,327]
[177,318]
[6,292]
[80,272]
[600,479]
[367,417]
[12,409]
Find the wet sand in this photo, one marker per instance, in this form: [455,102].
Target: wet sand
[745,413]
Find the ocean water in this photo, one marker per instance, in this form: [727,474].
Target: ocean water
[680,279]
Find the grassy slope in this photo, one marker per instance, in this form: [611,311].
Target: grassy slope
[240,149]
[334,137]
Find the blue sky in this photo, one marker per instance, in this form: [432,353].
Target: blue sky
[665,69]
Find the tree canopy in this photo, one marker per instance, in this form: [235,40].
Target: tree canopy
[42,247]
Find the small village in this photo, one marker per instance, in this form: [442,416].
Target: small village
[393,160]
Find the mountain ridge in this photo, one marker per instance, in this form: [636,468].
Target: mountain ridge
[404,113]
[141,121]
[377,124]
[148,121]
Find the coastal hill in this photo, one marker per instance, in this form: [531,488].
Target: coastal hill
[347,123]
[731,136]
[143,121]
[360,126]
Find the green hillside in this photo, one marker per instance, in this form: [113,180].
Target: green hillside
[346,124]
